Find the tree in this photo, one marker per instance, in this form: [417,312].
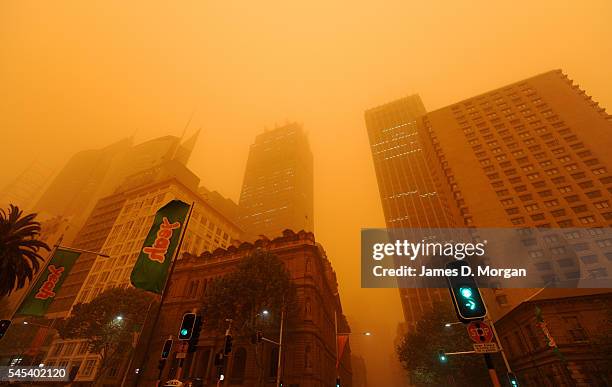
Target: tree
[108,323]
[19,249]
[418,351]
[260,282]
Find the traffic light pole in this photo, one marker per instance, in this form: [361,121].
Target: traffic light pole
[491,369]
[161,301]
[280,348]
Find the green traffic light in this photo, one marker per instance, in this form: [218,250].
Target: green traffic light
[466,292]
[184,332]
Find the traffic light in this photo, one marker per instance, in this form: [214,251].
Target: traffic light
[442,356]
[465,294]
[337,382]
[512,379]
[4,326]
[187,326]
[167,348]
[227,347]
[193,342]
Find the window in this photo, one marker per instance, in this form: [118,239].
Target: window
[83,347]
[307,357]
[89,367]
[239,366]
[574,328]
[58,349]
[534,342]
[587,219]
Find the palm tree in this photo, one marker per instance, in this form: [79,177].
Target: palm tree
[19,249]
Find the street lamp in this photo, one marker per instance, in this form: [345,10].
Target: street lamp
[265,312]
[119,318]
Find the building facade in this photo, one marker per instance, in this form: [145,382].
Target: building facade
[309,351]
[578,321]
[118,227]
[92,174]
[408,192]
[277,190]
[532,154]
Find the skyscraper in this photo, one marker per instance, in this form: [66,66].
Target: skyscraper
[531,154]
[25,188]
[277,190]
[118,227]
[407,190]
[92,174]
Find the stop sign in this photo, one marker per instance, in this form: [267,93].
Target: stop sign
[480,332]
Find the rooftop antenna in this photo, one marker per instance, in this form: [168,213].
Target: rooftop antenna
[187,125]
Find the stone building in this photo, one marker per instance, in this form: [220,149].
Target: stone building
[309,346]
[576,320]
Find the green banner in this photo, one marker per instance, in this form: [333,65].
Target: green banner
[151,268]
[49,283]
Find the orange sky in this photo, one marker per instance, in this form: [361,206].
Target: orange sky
[77,75]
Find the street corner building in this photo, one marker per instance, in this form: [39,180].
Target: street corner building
[309,343]
[560,336]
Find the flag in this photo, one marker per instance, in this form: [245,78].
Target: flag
[49,283]
[342,340]
[151,268]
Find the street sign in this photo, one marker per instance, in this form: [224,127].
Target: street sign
[480,332]
[485,348]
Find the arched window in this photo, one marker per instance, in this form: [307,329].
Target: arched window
[307,357]
[308,309]
[239,366]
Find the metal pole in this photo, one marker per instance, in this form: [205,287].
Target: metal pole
[83,251]
[499,344]
[491,369]
[162,298]
[280,348]
[127,369]
[336,339]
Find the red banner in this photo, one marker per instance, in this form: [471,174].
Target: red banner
[342,340]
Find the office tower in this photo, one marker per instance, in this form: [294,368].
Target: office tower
[408,192]
[535,153]
[118,227]
[530,154]
[277,190]
[133,206]
[92,174]
[25,188]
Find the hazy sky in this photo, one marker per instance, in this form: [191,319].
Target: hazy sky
[82,74]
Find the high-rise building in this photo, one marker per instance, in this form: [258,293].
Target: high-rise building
[24,189]
[92,174]
[533,154]
[118,227]
[408,193]
[277,190]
